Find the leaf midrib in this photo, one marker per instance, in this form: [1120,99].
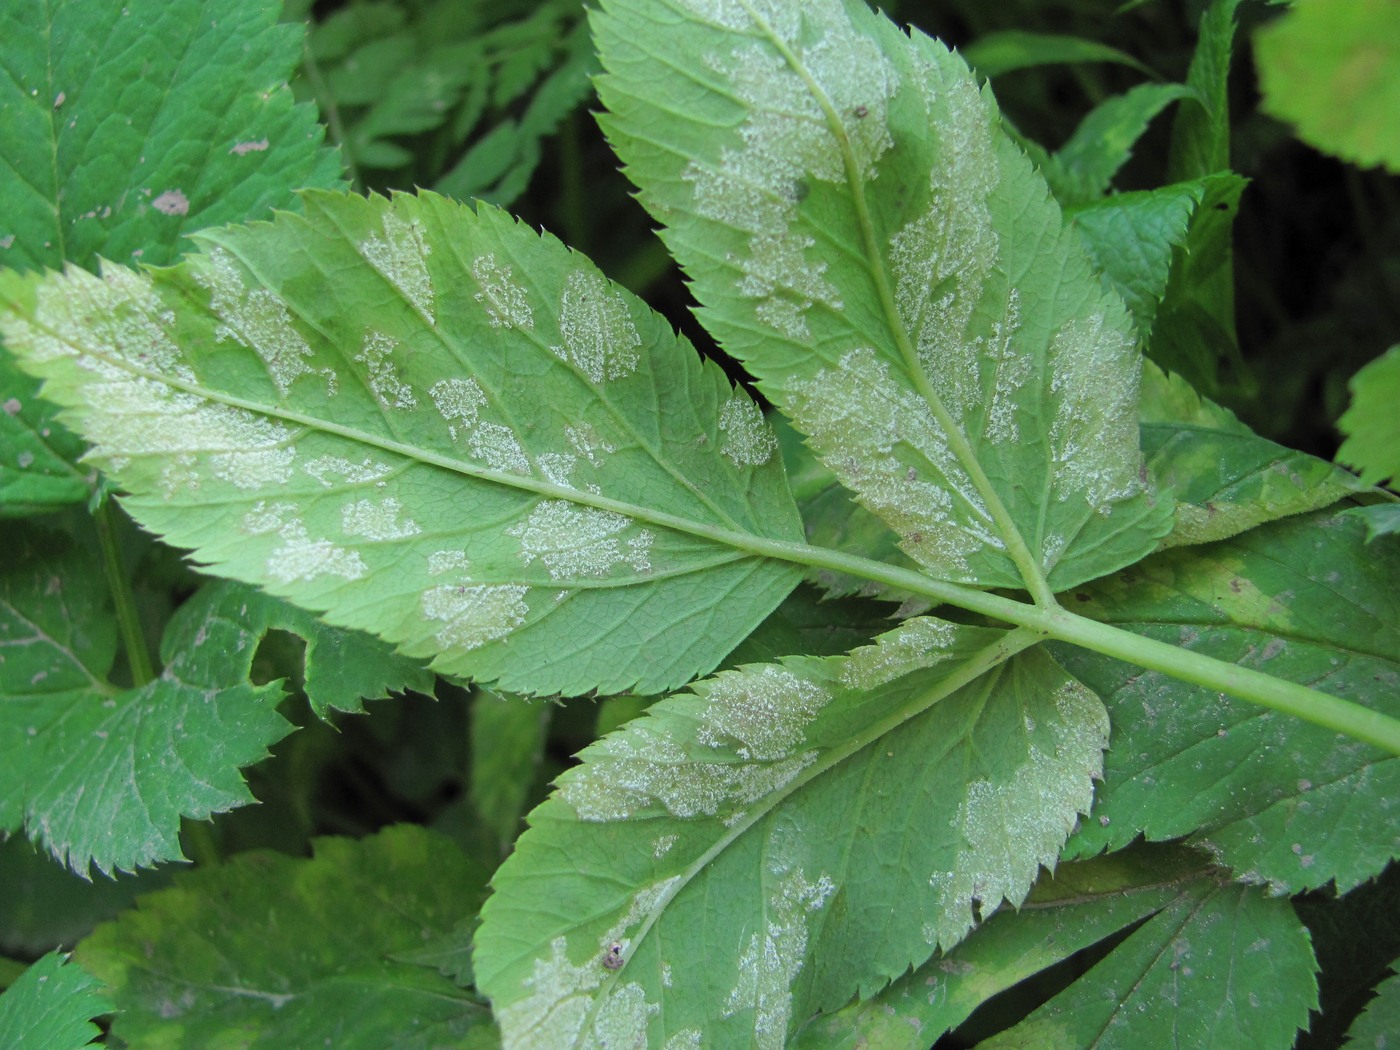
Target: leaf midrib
[1036,581]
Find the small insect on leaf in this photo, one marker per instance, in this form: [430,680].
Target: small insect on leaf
[612,958]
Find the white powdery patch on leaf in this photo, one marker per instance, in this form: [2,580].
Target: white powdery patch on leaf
[115,328]
[774,956]
[765,710]
[298,557]
[748,441]
[329,470]
[401,256]
[574,541]
[377,520]
[504,299]
[376,354]
[258,319]
[561,993]
[474,614]
[884,444]
[460,402]
[1012,827]
[596,327]
[685,1039]
[942,259]
[1094,375]
[633,771]
[442,562]
[912,646]
[757,186]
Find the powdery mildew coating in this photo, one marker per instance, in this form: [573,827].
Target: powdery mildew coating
[298,557]
[116,328]
[460,402]
[506,303]
[442,562]
[757,186]
[883,443]
[747,439]
[941,259]
[1011,827]
[1094,433]
[596,327]
[574,541]
[377,520]
[631,772]
[376,354]
[765,711]
[330,470]
[912,646]
[685,1039]
[258,319]
[774,955]
[401,256]
[560,992]
[474,614]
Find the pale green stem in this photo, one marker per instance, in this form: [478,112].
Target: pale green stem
[1050,621]
[128,622]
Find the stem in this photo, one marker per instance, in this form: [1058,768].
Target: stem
[128,622]
[1244,683]
[199,841]
[10,970]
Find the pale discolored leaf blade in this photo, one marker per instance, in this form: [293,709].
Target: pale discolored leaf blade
[1280,801]
[1225,478]
[433,424]
[864,236]
[1222,966]
[51,1006]
[277,951]
[786,837]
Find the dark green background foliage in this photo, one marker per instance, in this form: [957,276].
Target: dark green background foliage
[1119,857]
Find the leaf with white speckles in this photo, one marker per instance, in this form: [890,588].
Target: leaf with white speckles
[431,423]
[785,837]
[865,237]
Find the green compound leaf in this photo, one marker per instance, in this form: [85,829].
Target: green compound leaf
[267,951]
[1334,71]
[1380,1020]
[99,161]
[1221,966]
[51,1007]
[1225,478]
[865,237]
[786,837]
[1074,908]
[432,424]
[1280,801]
[1371,423]
[75,751]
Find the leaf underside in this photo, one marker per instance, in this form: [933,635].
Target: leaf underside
[430,423]
[862,234]
[789,836]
